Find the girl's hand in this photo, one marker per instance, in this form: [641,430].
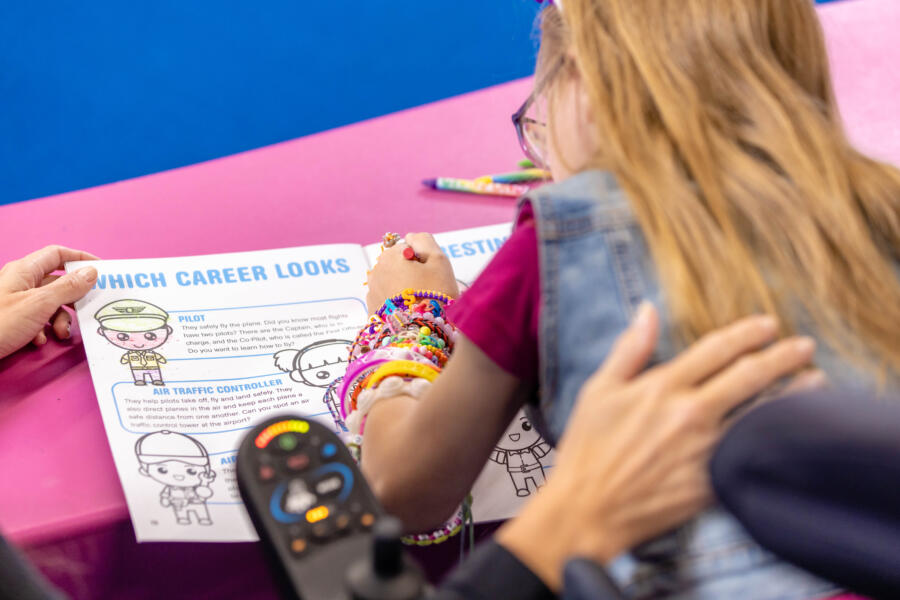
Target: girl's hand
[632,463]
[393,273]
[30,296]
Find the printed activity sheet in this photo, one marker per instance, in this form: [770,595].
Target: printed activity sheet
[187,354]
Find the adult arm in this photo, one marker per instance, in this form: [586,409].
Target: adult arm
[814,479]
[632,462]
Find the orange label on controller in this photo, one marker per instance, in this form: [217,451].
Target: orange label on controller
[316,514]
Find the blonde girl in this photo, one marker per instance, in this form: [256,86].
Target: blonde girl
[701,165]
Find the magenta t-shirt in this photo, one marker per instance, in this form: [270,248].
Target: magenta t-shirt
[499,313]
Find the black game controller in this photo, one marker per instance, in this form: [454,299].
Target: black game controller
[322,527]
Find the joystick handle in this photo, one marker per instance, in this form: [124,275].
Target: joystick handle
[387,548]
[388,574]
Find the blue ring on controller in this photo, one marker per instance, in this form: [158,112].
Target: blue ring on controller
[341,469]
[275,506]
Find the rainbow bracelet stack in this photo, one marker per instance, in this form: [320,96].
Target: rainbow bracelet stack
[400,351]
[409,329]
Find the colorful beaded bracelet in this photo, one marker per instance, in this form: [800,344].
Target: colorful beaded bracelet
[391,387]
[409,297]
[362,375]
[453,527]
[432,353]
[374,336]
[404,368]
[355,372]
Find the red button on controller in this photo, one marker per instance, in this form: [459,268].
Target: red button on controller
[297,462]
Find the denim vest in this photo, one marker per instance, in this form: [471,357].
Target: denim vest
[595,271]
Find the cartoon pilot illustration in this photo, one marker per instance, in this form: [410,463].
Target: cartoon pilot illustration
[138,327]
[181,464]
[325,362]
[521,449]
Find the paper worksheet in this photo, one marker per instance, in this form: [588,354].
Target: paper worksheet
[187,354]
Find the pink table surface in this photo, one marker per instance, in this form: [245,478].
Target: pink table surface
[346,185]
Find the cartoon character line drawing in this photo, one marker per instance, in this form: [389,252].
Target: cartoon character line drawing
[326,362]
[521,449]
[138,327]
[181,464]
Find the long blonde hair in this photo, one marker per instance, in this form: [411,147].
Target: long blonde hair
[719,120]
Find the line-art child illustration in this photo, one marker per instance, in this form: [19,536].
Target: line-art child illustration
[138,327]
[322,365]
[181,464]
[521,449]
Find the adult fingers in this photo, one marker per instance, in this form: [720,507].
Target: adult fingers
[720,348]
[28,272]
[62,324]
[424,245]
[811,380]
[634,347]
[754,373]
[68,288]
[40,339]
[807,381]
[50,279]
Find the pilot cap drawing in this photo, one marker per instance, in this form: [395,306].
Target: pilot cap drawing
[318,365]
[133,316]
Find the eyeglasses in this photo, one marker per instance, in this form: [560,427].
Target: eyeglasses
[532,132]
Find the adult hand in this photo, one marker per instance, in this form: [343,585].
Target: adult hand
[393,273]
[30,296]
[632,463]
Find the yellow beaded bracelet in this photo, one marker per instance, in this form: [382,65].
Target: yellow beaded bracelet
[403,368]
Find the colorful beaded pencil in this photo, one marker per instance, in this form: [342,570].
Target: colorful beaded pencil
[476,187]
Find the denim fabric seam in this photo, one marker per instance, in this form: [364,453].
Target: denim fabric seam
[619,243]
[547,322]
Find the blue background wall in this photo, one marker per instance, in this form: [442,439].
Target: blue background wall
[98,91]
